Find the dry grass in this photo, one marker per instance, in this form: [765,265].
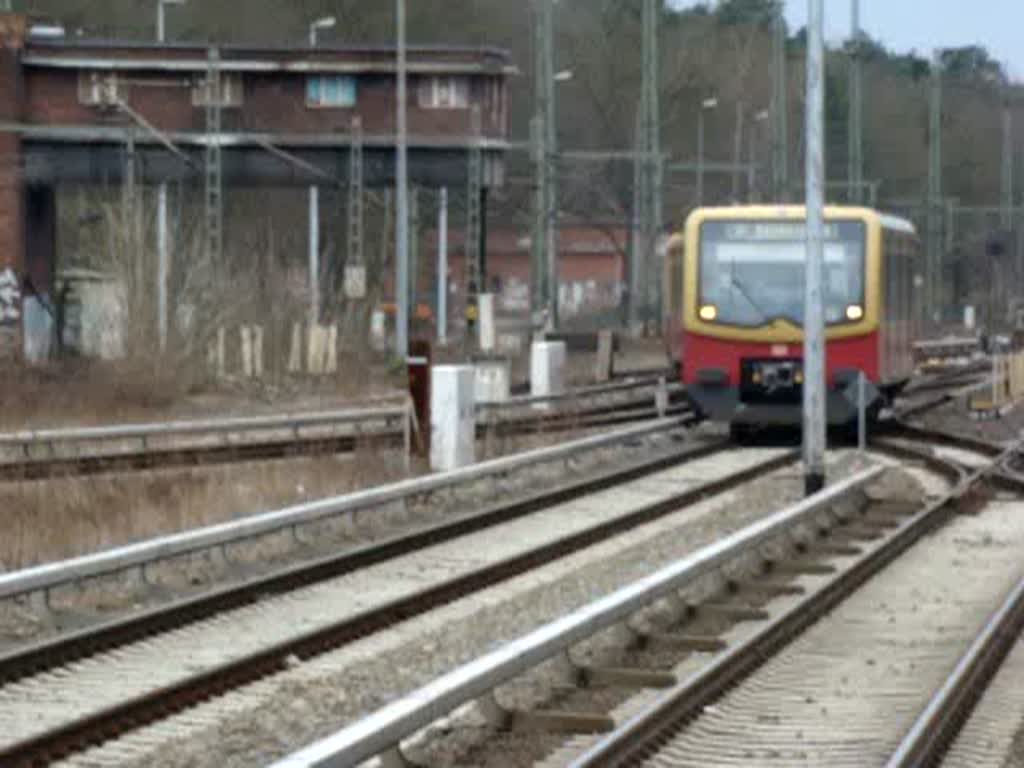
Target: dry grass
[55,519]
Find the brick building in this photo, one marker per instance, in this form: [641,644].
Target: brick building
[592,271]
[287,117]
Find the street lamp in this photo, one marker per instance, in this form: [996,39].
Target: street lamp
[327,22]
[163,246]
[705,106]
[161,27]
[759,118]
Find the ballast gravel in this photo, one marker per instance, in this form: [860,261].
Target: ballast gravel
[264,721]
[849,689]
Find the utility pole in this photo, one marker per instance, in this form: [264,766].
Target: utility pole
[538,244]
[780,110]
[474,224]
[550,161]
[856,116]
[737,153]
[706,105]
[651,169]
[213,165]
[933,273]
[545,276]
[314,206]
[442,267]
[402,194]
[162,230]
[1007,162]
[814,311]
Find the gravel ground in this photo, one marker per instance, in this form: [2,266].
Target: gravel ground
[262,722]
[33,705]
[846,691]
[102,598]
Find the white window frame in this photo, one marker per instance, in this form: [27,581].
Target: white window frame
[232,90]
[321,103]
[101,89]
[444,92]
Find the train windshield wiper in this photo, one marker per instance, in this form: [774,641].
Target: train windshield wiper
[736,283]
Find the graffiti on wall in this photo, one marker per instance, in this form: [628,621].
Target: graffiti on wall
[10,298]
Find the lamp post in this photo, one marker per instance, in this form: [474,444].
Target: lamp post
[705,106]
[161,25]
[326,22]
[402,212]
[550,168]
[162,231]
[759,119]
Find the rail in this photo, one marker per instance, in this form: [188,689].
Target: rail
[25,439]
[383,731]
[51,575]
[580,393]
[950,705]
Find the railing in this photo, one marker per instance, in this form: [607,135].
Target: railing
[27,440]
[382,732]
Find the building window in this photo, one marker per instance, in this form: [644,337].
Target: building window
[230,91]
[444,93]
[330,91]
[98,89]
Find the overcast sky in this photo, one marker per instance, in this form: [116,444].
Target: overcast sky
[924,25]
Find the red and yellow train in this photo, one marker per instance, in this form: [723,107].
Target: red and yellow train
[742,291]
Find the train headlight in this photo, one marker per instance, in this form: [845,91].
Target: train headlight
[708,312]
[855,312]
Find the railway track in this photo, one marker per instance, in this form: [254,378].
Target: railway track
[685,655]
[253,631]
[43,454]
[151,656]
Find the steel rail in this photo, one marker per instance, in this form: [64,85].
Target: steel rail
[294,422]
[686,700]
[581,393]
[384,730]
[158,704]
[48,576]
[945,713]
[73,646]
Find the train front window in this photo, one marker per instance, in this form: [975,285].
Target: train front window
[752,272]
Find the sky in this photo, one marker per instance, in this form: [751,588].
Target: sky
[904,25]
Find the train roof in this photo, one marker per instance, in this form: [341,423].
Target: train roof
[888,221]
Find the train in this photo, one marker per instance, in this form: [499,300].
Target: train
[740,285]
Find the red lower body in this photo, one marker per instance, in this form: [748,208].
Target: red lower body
[758,385]
[703,352]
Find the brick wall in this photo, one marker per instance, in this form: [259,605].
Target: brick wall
[12,241]
[273,102]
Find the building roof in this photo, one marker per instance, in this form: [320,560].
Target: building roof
[79,53]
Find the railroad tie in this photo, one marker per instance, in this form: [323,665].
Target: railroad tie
[627,677]
[556,721]
[692,643]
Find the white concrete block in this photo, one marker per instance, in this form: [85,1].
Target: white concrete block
[452,417]
[378,330]
[547,368]
[488,331]
[493,381]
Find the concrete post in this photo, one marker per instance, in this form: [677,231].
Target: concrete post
[547,368]
[452,417]
[486,323]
